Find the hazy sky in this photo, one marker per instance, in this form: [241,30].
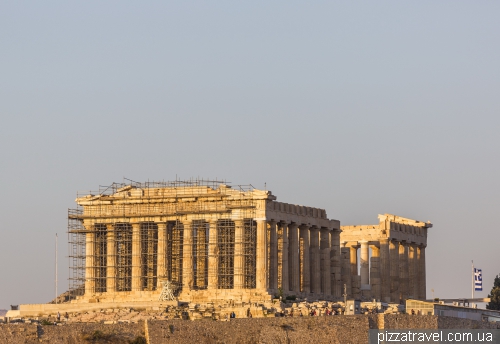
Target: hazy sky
[357,107]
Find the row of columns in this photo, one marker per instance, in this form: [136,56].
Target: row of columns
[307,261]
[395,272]
[187,256]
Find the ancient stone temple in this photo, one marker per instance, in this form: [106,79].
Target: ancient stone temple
[395,269]
[211,242]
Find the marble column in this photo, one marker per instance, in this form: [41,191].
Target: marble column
[136,257]
[385,284]
[315,258]
[201,255]
[213,261]
[89,260]
[403,270]
[239,257]
[284,259]
[412,273]
[415,287]
[421,273]
[355,278]
[273,256]
[394,269]
[335,264]
[354,260]
[325,273]
[110,259]
[262,254]
[364,265]
[375,273]
[151,247]
[293,258]
[346,271]
[187,256]
[305,273]
[162,253]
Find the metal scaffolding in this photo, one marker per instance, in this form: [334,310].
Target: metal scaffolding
[76,254]
[149,255]
[175,247]
[100,257]
[225,250]
[123,252]
[250,252]
[200,253]
[280,256]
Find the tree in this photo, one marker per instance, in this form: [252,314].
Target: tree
[494,304]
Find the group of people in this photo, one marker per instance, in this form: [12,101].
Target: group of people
[58,316]
[315,312]
[232,315]
[333,311]
[312,313]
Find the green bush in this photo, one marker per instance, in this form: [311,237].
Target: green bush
[96,335]
[139,340]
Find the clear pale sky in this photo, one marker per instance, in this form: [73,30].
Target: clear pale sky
[359,108]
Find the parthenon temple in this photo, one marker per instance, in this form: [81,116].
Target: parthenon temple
[212,241]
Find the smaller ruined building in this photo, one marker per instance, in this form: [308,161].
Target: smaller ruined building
[391,259]
[209,241]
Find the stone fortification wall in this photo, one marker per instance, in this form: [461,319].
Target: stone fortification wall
[332,329]
[83,333]
[452,322]
[345,329]
[18,333]
[406,321]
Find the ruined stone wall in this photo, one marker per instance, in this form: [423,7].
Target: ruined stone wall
[406,321]
[452,322]
[332,329]
[18,334]
[82,333]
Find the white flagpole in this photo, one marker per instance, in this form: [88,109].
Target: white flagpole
[472,278]
[56,269]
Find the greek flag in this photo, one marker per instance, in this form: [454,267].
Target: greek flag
[478,280]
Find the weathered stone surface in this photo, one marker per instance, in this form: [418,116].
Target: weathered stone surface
[211,241]
[69,334]
[276,330]
[296,330]
[397,268]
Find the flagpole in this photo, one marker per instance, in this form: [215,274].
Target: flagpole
[56,270]
[472,278]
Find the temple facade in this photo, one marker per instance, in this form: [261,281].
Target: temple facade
[391,256]
[213,242]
